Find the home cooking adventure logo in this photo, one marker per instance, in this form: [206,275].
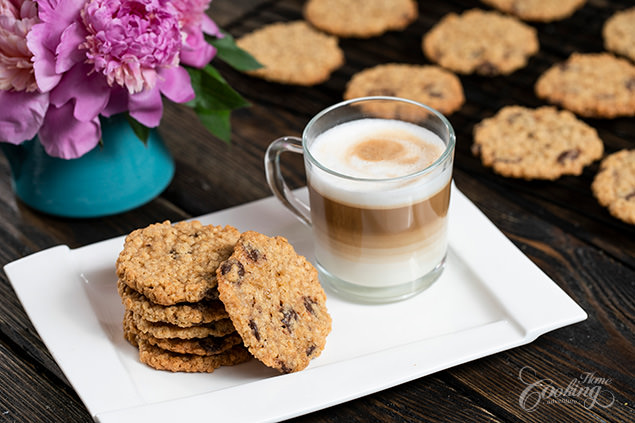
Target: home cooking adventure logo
[588,390]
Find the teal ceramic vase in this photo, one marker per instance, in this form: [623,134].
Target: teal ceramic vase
[120,174]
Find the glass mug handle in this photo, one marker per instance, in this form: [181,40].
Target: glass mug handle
[276,181]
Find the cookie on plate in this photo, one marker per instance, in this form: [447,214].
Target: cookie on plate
[182,314]
[275,301]
[591,85]
[430,85]
[537,10]
[360,18]
[170,264]
[293,53]
[210,345]
[619,33]
[542,143]
[483,42]
[614,185]
[161,359]
[166,330]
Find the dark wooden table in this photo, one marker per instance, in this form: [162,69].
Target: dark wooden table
[559,225]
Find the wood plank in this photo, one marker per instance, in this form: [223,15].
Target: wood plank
[33,394]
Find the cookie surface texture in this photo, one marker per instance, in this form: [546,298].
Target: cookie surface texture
[293,53]
[170,264]
[483,42]
[199,346]
[591,85]
[165,330]
[182,314]
[161,359]
[275,300]
[430,85]
[360,18]
[614,185]
[537,10]
[619,33]
[542,143]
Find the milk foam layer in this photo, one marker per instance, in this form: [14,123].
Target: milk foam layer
[378,149]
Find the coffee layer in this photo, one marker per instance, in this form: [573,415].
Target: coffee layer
[380,245]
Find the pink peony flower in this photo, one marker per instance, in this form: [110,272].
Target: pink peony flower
[130,41]
[195,23]
[85,52]
[22,107]
[65,63]
[16,70]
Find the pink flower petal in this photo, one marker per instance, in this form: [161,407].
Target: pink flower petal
[44,58]
[67,51]
[175,84]
[89,90]
[196,52]
[21,114]
[43,39]
[146,107]
[118,102]
[209,26]
[64,136]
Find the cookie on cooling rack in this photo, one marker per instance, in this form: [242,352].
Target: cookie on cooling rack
[537,10]
[596,85]
[483,42]
[293,53]
[614,185]
[360,18]
[543,143]
[430,85]
[619,33]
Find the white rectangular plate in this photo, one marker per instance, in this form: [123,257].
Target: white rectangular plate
[490,298]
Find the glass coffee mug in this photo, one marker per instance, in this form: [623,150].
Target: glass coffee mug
[379,172]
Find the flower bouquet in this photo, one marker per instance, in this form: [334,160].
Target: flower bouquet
[66,63]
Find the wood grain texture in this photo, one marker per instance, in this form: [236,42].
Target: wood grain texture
[557,224]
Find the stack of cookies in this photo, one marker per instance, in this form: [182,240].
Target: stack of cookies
[199,297]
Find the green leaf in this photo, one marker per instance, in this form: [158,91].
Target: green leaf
[216,122]
[230,53]
[141,131]
[212,92]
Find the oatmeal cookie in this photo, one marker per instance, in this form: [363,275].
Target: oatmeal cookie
[591,85]
[541,143]
[482,42]
[166,330]
[161,359]
[619,33]
[181,314]
[275,300]
[537,10]
[210,345]
[430,85]
[171,264]
[360,18]
[293,53]
[614,185]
